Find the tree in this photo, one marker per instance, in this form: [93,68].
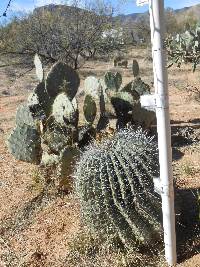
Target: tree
[60,32]
[171,21]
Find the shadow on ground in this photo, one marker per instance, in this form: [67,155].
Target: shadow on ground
[187,223]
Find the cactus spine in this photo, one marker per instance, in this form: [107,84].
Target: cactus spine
[114,181]
[53,106]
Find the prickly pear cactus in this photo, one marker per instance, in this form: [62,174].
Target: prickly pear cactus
[143,117]
[113,81]
[39,68]
[62,78]
[184,47]
[92,87]
[40,102]
[24,116]
[51,113]
[49,159]
[94,103]
[24,144]
[135,68]
[65,111]
[57,136]
[67,160]
[123,102]
[137,88]
[114,181]
[89,109]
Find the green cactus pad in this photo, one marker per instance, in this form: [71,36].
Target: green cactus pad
[137,88]
[68,158]
[39,68]
[128,88]
[65,111]
[122,102]
[114,181]
[143,117]
[86,134]
[24,116]
[57,136]
[24,144]
[92,86]
[113,81]
[135,68]
[62,78]
[39,101]
[141,87]
[89,109]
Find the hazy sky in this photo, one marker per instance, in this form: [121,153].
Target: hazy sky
[129,7]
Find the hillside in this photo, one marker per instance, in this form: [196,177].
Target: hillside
[181,14]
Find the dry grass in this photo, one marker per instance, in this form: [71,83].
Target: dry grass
[87,250]
[40,226]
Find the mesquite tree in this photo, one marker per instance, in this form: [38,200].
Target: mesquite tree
[60,32]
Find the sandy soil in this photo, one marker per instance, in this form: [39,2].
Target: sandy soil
[37,225]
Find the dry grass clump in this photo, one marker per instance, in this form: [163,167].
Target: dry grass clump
[88,250]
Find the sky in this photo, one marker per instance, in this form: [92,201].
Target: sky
[126,8]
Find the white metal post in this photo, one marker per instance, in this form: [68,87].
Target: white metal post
[157,22]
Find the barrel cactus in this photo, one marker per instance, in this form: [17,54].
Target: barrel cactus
[114,182]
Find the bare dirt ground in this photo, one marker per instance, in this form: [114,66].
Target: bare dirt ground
[37,224]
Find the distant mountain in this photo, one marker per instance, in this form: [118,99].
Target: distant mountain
[134,17]
[180,13]
[187,11]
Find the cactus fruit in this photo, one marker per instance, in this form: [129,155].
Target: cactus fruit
[65,111]
[62,78]
[113,81]
[135,68]
[39,68]
[24,144]
[114,181]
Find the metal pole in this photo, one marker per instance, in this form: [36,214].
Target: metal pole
[156,8]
